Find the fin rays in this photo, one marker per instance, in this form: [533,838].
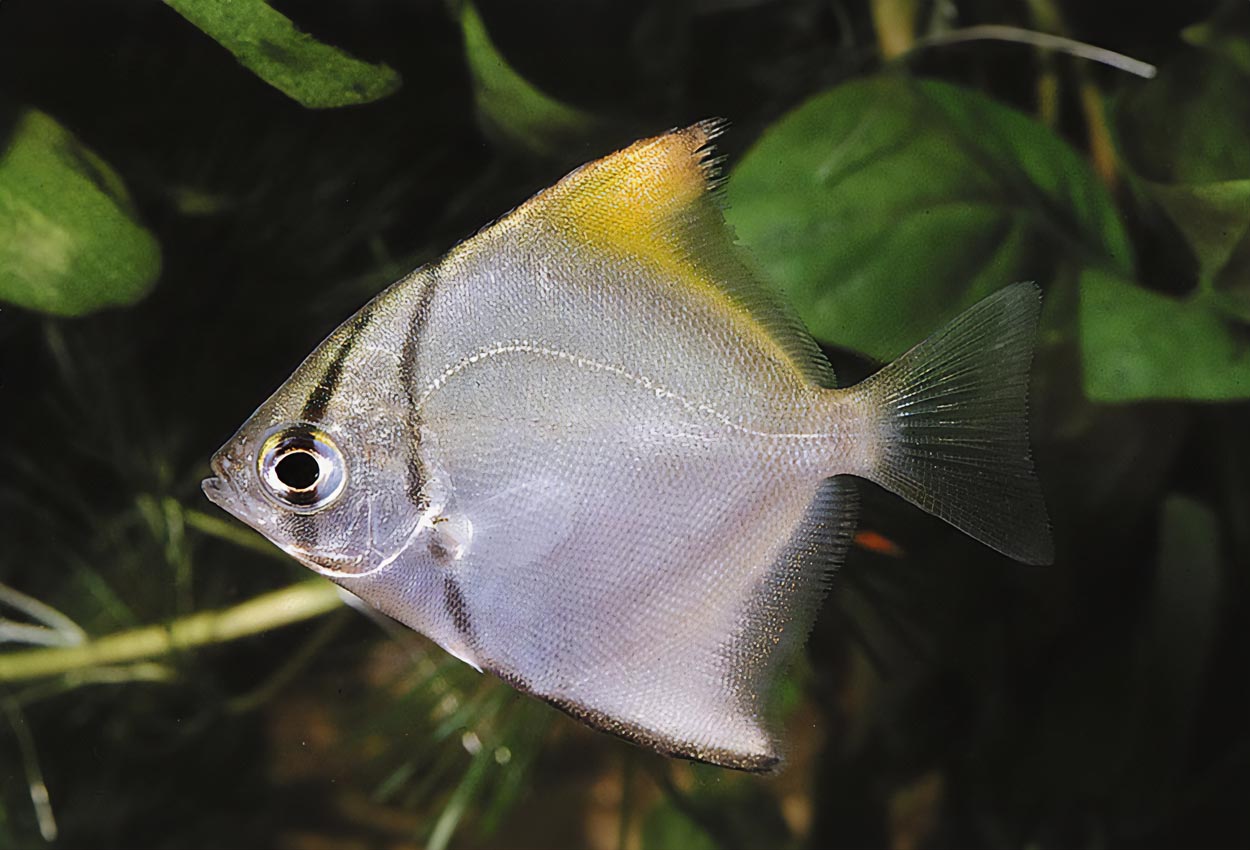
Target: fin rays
[953,426]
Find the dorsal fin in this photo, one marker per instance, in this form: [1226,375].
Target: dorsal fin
[656,200]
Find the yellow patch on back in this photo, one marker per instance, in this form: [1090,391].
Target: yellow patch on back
[653,202]
[627,201]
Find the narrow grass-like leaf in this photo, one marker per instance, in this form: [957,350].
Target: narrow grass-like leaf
[461,799]
[268,44]
[510,107]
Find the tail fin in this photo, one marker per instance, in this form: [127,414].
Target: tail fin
[954,435]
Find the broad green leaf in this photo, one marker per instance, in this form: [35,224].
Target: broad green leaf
[69,239]
[1185,136]
[886,205]
[1137,344]
[1230,291]
[512,109]
[1213,217]
[1215,220]
[268,44]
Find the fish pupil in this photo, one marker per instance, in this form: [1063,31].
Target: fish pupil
[298,470]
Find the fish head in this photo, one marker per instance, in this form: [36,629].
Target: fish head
[324,467]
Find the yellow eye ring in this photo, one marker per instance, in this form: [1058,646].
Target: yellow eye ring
[301,469]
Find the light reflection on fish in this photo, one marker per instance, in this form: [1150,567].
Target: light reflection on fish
[588,452]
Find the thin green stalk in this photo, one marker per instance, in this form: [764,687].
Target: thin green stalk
[34,774]
[292,604]
[143,671]
[895,23]
[231,532]
[285,674]
[456,807]
[52,619]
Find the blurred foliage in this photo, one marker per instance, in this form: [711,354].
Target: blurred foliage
[268,44]
[1140,344]
[511,110]
[1183,137]
[887,168]
[69,241]
[917,194]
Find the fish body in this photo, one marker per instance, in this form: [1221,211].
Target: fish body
[588,452]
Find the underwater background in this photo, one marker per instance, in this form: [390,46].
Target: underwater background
[193,193]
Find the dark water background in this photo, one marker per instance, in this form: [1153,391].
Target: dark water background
[948,697]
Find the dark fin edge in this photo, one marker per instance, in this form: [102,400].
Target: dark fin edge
[646,738]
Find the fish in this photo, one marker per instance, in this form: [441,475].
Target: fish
[591,452]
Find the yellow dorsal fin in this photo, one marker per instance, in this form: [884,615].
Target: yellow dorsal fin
[656,200]
[628,199]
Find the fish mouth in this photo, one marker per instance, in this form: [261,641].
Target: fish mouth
[217,487]
[222,493]
[214,489]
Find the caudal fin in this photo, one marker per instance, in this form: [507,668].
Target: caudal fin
[954,435]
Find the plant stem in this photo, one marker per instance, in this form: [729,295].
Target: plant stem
[1040,40]
[52,619]
[39,797]
[1102,153]
[895,22]
[232,532]
[301,601]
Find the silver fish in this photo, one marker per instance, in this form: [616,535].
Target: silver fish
[589,452]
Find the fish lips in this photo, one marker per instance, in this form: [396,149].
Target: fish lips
[219,490]
[216,491]
[212,488]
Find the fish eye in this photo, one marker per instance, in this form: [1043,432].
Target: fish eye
[301,469]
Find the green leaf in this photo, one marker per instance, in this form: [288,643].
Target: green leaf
[1138,344]
[1214,218]
[70,242]
[1184,137]
[1188,124]
[886,205]
[509,107]
[268,44]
